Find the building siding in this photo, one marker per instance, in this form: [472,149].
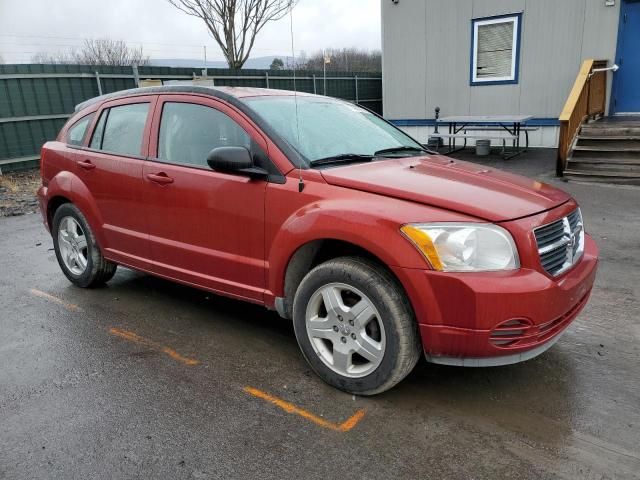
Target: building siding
[427,46]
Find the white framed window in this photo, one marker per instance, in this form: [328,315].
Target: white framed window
[495,49]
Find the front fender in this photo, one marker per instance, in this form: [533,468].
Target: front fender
[370,227]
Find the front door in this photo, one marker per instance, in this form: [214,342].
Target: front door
[626,93]
[205,228]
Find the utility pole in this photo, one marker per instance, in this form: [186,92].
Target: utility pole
[325,60]
[324,71]
[205,60]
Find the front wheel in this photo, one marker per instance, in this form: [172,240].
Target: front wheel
[355,326]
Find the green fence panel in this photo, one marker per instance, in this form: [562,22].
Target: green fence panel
[35,90]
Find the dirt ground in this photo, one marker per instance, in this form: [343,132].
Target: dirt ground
[18,193]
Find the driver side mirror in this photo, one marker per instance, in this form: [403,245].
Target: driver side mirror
[234,160]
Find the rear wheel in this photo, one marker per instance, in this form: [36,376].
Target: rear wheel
[76,249]
[355,326]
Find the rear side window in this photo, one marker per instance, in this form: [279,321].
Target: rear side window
[75,134]
[188,132]
[120,129]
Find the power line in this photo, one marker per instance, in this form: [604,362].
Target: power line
[82,39]
[175,48]
[34,44]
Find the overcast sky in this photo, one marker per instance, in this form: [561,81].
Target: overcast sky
[31,26]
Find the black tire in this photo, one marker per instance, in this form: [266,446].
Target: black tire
[98,270]
[403,347]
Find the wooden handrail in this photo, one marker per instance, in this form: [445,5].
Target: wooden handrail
[587,99]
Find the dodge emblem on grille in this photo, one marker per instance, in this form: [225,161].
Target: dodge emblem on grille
[561,243]
[574,238]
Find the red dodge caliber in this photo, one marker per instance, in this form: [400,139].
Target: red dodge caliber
[377,249]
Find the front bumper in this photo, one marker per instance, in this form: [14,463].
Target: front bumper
[458,312]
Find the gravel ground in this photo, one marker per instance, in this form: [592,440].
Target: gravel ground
[18,193]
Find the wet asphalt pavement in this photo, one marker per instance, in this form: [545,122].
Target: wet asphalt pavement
[148,379]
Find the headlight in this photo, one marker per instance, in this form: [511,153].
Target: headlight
[464,247]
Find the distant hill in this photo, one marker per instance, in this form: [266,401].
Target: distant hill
[257,62]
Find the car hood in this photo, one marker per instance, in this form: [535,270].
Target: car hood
[443,182]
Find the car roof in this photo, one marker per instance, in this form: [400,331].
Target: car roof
[242,92]
[232,95]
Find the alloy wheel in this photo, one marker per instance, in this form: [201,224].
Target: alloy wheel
[72,243]
[345,330]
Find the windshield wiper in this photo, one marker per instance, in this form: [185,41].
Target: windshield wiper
[400,149]
[342,158]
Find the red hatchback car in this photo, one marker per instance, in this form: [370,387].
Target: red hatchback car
[377,249]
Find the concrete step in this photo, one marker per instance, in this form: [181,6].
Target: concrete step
[610,137]
[607,147]
[607,131]
[606,160]
[599,166]
[611,141]
[623,178]
[607,152]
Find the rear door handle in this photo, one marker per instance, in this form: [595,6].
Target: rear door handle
[86,164]
[161,178]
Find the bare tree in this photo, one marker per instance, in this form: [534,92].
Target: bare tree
[345,60]
[234,24]
[101,51]
[52,58]
[1,60]
[104,51]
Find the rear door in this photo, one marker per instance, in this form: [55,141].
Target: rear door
[110,167]
[205,227]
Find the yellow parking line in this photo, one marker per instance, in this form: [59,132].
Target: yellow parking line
[69,306]
[345,426]
[135,338]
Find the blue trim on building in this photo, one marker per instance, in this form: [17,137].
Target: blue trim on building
[430,122]
[516,78]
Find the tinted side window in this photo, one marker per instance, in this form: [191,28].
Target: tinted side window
[76,133]
[188,132]
[120,129]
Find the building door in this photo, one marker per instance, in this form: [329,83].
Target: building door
[626,94]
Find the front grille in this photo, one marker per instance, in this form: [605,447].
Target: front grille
[561,243]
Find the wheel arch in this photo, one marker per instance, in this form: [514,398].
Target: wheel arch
[313,253]
[68,188]
[53,204]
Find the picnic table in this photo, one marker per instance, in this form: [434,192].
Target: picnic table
[505,128]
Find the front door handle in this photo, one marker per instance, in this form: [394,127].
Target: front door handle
[161,178]
[86,164]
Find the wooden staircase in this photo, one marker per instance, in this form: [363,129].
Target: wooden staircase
[606,150]
[592,147]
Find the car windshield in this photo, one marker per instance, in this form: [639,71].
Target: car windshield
[328,128]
